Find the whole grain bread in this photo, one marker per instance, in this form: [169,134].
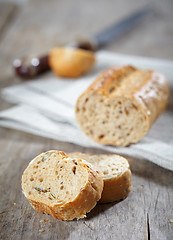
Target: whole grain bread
[56,184]
[115,172]
[121,105]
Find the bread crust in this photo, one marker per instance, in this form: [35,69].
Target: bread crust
[84,201]
[115,188]
[70,62]
[145,90]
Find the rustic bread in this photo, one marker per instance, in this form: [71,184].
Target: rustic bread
[115,172]
[70,62]
[120,106]
[58,185]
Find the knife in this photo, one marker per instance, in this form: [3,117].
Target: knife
[31,67]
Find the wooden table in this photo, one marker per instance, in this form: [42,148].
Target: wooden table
[34,27]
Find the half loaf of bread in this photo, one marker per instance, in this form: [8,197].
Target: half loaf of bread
[115,172]
[121,105]
[56,184]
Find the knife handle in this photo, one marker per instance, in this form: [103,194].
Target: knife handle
[31,67]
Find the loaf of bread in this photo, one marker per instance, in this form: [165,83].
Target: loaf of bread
[120,106]
[115,172]
[58,185]
[70,62]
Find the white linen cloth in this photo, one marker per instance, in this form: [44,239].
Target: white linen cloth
[45,107]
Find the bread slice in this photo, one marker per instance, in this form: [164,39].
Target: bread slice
[121,105]
[70,62]
[115,172]
[58,185]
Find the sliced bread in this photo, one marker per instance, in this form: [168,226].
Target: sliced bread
[64,187]
[115,172]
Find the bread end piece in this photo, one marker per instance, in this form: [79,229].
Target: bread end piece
[70,62]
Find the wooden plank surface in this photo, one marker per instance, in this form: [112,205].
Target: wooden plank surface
[37,27]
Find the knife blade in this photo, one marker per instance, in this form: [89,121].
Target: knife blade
[113,32]
[30,68]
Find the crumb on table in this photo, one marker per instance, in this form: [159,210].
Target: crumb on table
[44,220]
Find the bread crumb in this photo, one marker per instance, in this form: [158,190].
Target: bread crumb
[41,230]
[14,204]
[44,220]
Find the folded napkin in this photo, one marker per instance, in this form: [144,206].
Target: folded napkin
[45,107]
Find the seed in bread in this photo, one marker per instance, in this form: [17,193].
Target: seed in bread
[70,62]
[115,172]
[121,105]
[61,186]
